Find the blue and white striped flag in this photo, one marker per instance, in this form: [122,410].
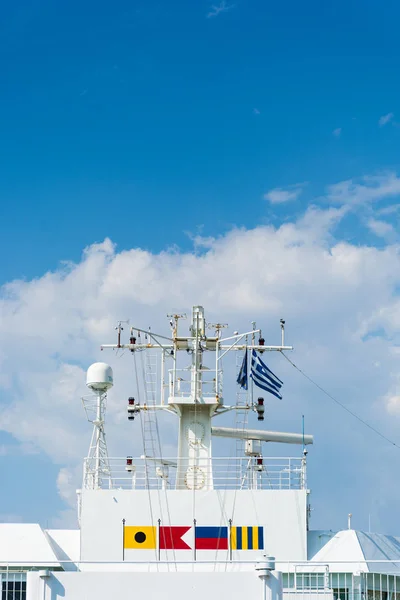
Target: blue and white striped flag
[242,377]
[263,377]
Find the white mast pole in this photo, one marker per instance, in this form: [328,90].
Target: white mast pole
[195,409]
[97,449]
[162,376]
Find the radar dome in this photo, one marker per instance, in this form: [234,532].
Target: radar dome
[99,377]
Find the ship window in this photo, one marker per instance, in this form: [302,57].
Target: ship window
[377,594]
[288,581]
[310,581]
[13,590]
[340,594]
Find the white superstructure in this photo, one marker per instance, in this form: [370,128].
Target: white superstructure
[194,524]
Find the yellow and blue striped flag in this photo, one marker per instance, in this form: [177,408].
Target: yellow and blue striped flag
[247,538]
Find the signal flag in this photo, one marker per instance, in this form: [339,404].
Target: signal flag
[171,538]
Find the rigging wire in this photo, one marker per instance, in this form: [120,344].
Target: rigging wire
[353,414]
[155,444]
[145,459]
[159,445]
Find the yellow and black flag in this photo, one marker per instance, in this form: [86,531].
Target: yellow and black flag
[140,538]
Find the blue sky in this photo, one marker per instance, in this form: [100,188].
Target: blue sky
[154,123]
[111,115]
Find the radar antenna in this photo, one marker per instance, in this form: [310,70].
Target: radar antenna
[99,380]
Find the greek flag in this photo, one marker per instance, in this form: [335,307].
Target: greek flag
[263,377]
[242,377]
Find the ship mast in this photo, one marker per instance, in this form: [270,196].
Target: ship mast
[197,403]
[195,411]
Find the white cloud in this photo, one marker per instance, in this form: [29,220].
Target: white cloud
[337,132]
[367,189]
[15,450]
[336,297]
[385,119]
[393,404]
[280,195]
[389,210]
[380,228]
[68,480]
[217,9]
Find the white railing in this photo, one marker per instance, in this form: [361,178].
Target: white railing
[180,383]
[253,473]
[302,581]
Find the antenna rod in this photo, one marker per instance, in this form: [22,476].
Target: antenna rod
[119,328]
[282,322]
[253,335]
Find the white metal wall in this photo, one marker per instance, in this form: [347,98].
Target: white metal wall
[168,586]
[282,514]
[105,581]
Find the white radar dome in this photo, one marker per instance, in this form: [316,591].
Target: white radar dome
[99,376]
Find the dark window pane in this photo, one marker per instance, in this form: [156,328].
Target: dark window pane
[13,590]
